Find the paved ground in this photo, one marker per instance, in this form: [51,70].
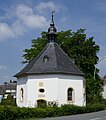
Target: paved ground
[89,116]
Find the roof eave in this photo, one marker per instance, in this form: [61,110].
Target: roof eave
[58,72]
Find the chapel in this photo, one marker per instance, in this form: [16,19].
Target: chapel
[51,78]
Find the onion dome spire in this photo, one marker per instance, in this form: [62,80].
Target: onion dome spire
[52,31]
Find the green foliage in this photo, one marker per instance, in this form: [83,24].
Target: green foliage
[37,45]
[9,101]
[82,50]
[8,113]
[72,109]
[54,111]
[94,90]
[94,107]
[15,113]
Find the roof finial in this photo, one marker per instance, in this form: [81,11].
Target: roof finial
[52,14]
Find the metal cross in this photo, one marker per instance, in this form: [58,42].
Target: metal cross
[52,14]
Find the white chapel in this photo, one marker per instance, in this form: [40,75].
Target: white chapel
[51,78]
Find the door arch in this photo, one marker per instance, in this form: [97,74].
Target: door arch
[41,103]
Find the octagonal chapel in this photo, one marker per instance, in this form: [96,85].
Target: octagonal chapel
[51,78]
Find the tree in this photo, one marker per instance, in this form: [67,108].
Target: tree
[75,44]
[94,90]
[37,45]
[78,47]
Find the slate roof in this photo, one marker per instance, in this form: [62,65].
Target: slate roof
[8,86]
[52,60]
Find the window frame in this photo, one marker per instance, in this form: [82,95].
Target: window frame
[72,96]
[21,95]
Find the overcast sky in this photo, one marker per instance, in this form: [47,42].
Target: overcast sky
[23,20]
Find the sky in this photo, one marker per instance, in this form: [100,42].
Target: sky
[23,20]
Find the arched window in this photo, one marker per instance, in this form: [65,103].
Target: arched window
[70,94]
[22,94]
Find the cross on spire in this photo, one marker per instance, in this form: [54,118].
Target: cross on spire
[52,14]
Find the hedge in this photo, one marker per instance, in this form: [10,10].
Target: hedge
[16,113]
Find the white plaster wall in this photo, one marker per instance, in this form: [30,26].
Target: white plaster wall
[104,92]
[10,91]
[74,82]
[22,83]
[55,87]
[49,85]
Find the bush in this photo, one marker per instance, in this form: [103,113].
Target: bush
[72,109]
[8,113]
[95,107]
[54,111]
[15,113]
[9,101]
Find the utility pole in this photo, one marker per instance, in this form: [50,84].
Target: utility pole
[97,64]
